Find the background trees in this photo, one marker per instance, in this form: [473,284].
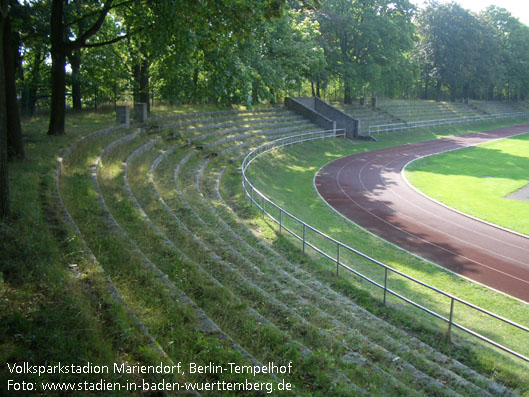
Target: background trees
[513,39]
[365,40]
[480,56]
[244,52]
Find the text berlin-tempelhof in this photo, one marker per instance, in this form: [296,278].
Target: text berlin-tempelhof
[161,368]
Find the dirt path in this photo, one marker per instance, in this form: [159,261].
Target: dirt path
[369,189]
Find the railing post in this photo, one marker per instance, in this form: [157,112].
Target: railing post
[385,284]
[450,318]
[263,207]
[280,220]
[304,227]
[338,260]
[251,197]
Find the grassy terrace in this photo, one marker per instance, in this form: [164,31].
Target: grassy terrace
[199,277]
[55,304]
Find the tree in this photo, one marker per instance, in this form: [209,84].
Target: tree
[513,39]
[93,15]
[15,144]
[461,51]
[31,22]
[270,62]
[289,51]
[362,38]
[4,179]
[104,74]
[211,47]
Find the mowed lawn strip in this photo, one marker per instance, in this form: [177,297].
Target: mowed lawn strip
[286,176]
[477,180]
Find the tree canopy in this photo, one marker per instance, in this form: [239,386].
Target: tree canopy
[245,52]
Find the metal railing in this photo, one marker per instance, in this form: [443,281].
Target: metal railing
[430,123]
[261,201]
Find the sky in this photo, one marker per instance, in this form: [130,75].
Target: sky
[517,8]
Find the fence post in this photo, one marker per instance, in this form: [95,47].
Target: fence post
[280,219]
[263,207]
[385,284]
[451,315]
[251,197]
[338,260]
[304,238]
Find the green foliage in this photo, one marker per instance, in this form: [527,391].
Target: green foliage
[270,60]
[513,37]
[366,42]
[250,51]
[459,48]
[480,56]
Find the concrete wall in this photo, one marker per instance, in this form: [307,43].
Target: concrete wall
[305,107]
[307,101]
[123,115]
[343,120]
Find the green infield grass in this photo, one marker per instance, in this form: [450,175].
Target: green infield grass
[477,180]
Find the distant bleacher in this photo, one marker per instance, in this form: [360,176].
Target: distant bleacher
[429,110]
[496,107]
[403,114]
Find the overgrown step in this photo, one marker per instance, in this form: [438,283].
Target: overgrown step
[215,262]
[446,376]
[186,156]
[379,331]
[109,286]
[142,292]
[226,299]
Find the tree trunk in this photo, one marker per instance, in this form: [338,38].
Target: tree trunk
[141,83]
[273,96]
[58,73]
[453,93]
[4,179]
[347,94]
[58,93]
[75,62]
[347,89]
[255,93]
[136,71]
[32,87]
[144,84]
[312,87]
[15,144]
[438,91]
[466,92]
[195,84]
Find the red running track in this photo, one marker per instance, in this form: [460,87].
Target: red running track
[369,189]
